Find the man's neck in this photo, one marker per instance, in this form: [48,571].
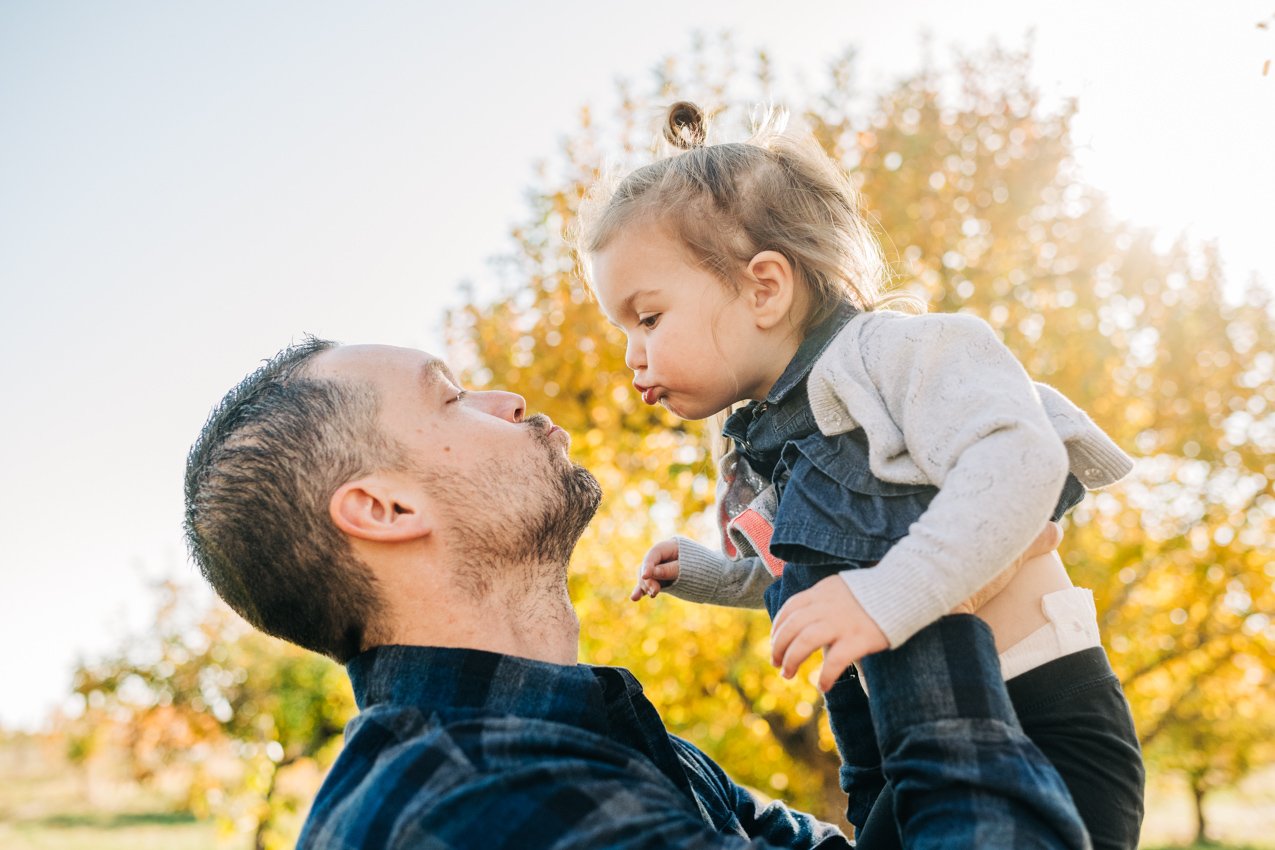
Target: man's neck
[537,623]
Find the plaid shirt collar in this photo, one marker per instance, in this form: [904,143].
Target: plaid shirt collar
[451,682]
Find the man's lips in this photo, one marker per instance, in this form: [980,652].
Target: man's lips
[554,432]
[545,426]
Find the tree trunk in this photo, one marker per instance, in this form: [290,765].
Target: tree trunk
[1197,793]
[259,837]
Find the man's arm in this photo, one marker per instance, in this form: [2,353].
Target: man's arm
[963,771]
[773,824]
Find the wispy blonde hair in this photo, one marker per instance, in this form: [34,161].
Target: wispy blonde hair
[726,203]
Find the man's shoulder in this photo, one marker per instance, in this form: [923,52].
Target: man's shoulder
[404,779]
[392,761]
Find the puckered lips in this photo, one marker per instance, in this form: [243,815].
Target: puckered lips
[547,429]
[650,395]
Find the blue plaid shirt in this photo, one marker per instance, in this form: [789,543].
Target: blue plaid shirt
[461,748]
[458,748]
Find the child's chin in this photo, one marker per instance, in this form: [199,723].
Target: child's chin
[671,407]
[680,412]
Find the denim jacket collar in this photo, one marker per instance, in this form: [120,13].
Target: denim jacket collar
[748,425]
[810,350]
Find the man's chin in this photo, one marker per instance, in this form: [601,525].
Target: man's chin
[568,512]
[590,491]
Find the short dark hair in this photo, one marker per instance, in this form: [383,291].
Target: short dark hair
[258,482]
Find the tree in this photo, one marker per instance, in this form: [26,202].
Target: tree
[232,710]
[972,181]
[1218,731]
[985,210]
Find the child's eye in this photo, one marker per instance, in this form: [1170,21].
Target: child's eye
[460,395]
[649,321]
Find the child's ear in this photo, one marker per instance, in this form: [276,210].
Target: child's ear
[771,288]
[380,509]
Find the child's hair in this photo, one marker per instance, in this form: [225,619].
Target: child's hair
[728,202]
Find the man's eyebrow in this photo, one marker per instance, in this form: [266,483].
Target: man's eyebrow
[436,370]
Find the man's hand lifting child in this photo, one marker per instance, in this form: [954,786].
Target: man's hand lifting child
[829,617]
[658,570]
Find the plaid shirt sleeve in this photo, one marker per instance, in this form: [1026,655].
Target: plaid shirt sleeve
[964,772]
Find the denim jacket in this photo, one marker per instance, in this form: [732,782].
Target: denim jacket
[833,513]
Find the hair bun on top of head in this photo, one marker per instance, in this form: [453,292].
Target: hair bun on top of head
[685,126]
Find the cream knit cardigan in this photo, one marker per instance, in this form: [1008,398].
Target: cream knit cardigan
[942,402]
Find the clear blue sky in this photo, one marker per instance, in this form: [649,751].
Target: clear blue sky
[186,187]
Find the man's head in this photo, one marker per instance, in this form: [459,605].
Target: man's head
[332,478]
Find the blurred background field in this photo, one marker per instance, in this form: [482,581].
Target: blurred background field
[195,732]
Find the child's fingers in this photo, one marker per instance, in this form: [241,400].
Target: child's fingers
[836,658]
[651,558]
[659,567]
[665,550]
[645,588]
[793,608]
[804,643]
[663,571]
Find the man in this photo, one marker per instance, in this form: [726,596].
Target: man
[357,501]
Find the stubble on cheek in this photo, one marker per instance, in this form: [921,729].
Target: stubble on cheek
[531,509]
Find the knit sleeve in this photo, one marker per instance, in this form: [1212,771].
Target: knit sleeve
[705,575]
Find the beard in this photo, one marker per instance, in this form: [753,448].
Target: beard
[566,514]
[527,513]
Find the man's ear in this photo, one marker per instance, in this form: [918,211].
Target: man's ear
[379,509]
[770,288]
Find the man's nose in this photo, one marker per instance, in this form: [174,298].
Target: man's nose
[508,406]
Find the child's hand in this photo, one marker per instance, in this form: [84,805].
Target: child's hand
[828,616]
[659,569]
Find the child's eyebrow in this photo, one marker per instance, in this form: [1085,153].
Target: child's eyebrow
[626,306]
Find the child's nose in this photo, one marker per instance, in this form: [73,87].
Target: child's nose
[634,354]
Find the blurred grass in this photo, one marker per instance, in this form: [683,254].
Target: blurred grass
[109,833]
[48,804]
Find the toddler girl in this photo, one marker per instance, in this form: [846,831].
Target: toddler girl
[886,467]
